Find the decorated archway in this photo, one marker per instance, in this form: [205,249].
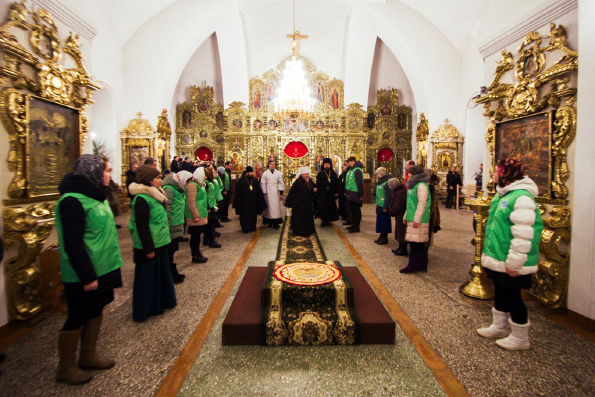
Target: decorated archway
[203,153]
[296,156]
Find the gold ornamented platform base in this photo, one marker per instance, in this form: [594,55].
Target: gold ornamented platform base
[477,288]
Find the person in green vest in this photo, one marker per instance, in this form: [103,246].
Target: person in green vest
[196,212]
[90,263]
[417,219]
[510,253]
[174,186]
[383,193]
[213,195]
[153,289]
[354,192]
[224,207]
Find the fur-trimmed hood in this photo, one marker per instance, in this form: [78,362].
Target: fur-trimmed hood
[526,183]
[415,179]
[138,188]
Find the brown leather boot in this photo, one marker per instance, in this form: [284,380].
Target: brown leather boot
[89,357]
[67,370]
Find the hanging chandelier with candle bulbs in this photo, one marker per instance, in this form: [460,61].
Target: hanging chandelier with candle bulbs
[294,96]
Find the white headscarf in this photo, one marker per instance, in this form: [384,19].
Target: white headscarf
[199,175]
[184,176]
[302,170]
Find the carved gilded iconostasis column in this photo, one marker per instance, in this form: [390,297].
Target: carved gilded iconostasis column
[534,120]
[447,151]
[42,107]
[139,141]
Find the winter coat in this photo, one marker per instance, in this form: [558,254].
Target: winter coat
[175,231]
[272,187]
[398,205]
[419,234]
[513,230]
[191,203]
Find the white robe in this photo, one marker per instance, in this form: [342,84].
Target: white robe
[271,184]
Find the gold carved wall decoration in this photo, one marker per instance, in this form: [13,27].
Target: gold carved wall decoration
[138,143]
[163,139]
[447,151]
[543,77]
[31,72]
[422,135]
[27,229]
[253,134]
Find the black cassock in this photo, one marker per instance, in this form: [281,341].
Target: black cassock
[326,206]
[301,200]
[248,202]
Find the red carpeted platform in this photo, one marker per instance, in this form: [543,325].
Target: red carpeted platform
[242,323]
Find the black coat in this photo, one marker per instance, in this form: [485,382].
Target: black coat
[248,202]
[326,207]
[175,166]
[301,200]
[453,179]
[398,206]
[72,216]
[130,178]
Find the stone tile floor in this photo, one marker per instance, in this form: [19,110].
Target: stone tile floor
[560,363]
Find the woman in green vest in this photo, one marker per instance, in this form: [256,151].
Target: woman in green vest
[90,264]
[417,219]
[153,289]
[510,253]
[213,195]
[174,186]
[383,192]
[196,212]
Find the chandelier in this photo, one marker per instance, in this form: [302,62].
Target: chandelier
[294,95]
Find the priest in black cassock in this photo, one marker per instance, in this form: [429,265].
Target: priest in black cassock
[248,200]
[301,200]
[327,191]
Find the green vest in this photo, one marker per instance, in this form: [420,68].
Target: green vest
[157,223]
[218,186]
[100,238]
[380,194]
[211,194]
[498,234]
[226,181]
[201,202]
[177,206]
[350,182]
[412,204]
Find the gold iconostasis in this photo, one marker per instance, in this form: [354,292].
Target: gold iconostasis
[253,134]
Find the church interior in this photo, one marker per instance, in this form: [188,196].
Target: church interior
[450,85]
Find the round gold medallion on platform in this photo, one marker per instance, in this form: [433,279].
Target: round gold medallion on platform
[307,273]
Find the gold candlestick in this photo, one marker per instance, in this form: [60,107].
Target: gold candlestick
[478,287]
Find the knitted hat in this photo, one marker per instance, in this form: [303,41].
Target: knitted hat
[509,170]
[146,173]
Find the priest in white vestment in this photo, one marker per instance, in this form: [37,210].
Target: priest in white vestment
[272,186]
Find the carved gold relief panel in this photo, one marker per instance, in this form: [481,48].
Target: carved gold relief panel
[541,89]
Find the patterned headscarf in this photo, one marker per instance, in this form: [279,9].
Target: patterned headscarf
[90,166]
[381,171]
[221,170]
[199,175]
[509,170]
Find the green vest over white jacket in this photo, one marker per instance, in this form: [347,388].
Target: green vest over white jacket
[513,230]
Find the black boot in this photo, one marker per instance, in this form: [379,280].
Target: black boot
[382,240]
[199,258]
[214,244]
[401,251]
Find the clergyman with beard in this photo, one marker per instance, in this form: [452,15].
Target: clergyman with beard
[301,201]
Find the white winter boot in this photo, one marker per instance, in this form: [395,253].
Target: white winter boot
[499,327]
[518,338]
